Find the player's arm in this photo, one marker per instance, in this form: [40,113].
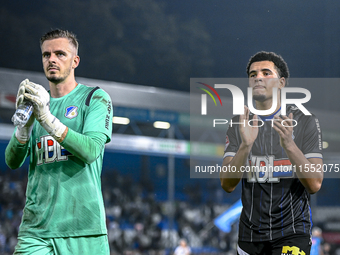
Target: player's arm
[16,152]
[18,147]
[230,179]
[310,179]
[97,130]
[86,146]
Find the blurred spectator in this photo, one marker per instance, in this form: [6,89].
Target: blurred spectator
[317,240]
[183,248]
[326,249]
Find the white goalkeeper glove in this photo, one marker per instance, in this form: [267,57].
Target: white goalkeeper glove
[23,133]
[40,98]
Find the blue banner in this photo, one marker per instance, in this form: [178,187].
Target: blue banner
[229,217]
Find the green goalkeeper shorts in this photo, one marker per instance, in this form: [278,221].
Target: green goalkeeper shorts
[85,245]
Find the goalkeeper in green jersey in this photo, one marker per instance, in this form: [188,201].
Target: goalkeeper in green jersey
[64,138]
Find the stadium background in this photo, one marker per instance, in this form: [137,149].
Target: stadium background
[144,54]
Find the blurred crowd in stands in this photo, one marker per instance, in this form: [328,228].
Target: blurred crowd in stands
[12,201]
[138,223]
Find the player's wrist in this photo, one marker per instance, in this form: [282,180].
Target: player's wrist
[23,134]
[52,125]
[289,147]
[246,145]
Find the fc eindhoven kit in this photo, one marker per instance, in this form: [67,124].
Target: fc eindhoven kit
[63,196]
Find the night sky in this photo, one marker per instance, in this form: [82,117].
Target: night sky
[164,43]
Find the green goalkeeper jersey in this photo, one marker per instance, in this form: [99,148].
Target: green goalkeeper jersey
[63,196]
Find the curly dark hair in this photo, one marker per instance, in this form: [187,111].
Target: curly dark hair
[280,65]
[58,33]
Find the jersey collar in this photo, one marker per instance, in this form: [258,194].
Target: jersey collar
[270,117]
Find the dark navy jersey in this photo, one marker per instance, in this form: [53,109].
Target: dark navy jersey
[275,203]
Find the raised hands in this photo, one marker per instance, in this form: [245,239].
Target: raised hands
[284,129]
[248,132]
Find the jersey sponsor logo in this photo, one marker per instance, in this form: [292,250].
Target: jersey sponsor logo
[107,119]
[319,133]
[71,112]
[268,169]
[49,150]
[287,250]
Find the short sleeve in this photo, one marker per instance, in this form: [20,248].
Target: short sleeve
[232,142]
[312,138]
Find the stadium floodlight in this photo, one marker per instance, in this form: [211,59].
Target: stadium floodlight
[325,145]
[120,120]
[161,124]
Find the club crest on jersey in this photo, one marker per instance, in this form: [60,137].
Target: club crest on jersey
[71,112]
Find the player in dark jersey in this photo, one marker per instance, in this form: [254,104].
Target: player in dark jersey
[275,163]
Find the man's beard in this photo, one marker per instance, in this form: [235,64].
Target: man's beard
[55,80]
[58,79]
[259,98]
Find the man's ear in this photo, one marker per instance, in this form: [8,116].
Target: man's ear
[282,82]
[76,61]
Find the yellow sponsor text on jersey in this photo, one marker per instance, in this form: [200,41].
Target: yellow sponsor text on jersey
[287,250]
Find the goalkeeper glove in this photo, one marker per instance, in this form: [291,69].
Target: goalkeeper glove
[23,133]
[40,98]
